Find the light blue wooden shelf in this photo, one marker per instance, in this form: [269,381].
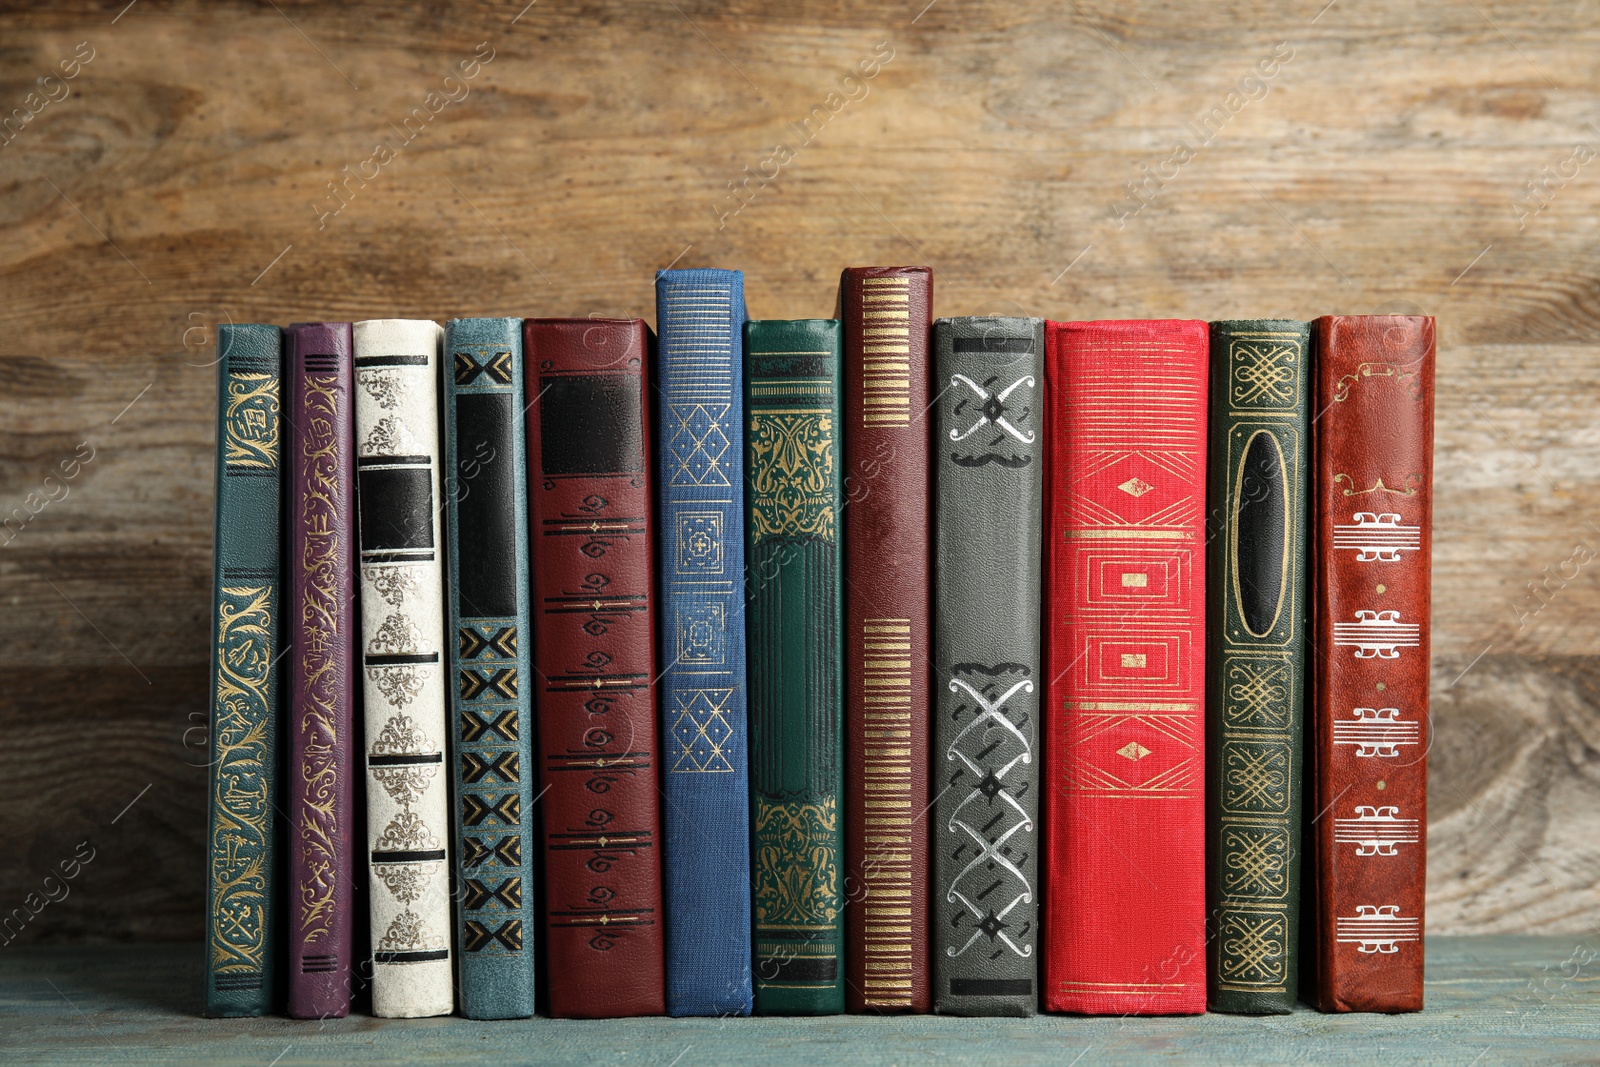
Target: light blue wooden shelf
[1490,1000]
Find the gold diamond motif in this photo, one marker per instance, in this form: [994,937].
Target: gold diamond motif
[1133,750]
[1136,487]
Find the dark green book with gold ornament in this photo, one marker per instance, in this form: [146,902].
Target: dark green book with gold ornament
[1256,661]
[793,494]
[242,890]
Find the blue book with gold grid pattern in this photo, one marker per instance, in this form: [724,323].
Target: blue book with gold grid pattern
[700,317]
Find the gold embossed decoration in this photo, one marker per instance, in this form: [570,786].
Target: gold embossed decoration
[318,825]
[792,477]
[1254,948]
[1255,861]
[250,422]
[1257,693]
[1399,373]
[700,733]
[698,443]
[1407,488]
[1255,776]
[241,831]
[1265,372]
[796,864]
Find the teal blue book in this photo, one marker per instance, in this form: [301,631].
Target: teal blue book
[246,719]
[486,511]
[705,816]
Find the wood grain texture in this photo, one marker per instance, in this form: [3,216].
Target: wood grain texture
[1497,1000]
[1379,168]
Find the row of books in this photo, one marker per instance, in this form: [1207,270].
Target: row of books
[871,664]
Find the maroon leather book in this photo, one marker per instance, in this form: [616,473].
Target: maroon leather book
[592,530]
[888,635]
[1372,541]
[321,624]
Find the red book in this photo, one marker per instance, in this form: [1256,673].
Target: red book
[888,635]
[1372,534]
[592,530]
[1125,629]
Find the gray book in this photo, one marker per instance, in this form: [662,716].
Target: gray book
[988,490]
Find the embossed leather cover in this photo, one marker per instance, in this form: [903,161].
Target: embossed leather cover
[323,763]
[402,638]
[989,449]
[793,451]
[1125,732]
[705,817]
[887,635]
[591,517]
[1256,631]
[243,934]
[1370,610]
[490,639]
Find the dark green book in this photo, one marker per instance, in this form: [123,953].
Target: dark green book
[793,495]
[1256,607]
[246,637]
[989,439]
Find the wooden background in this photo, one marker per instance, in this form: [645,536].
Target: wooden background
[1380,171]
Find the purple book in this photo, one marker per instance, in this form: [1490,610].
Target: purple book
[322,627]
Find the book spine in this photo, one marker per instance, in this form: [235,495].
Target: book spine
[322,703]
[1370,607]
[402,633]
[591,519]
[988,459]
[1256,660]
[887,635]
[491,641]
[242,884]
[700,317]
[796,682]
[1125,853]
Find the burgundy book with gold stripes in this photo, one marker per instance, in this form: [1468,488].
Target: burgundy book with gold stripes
[888,635]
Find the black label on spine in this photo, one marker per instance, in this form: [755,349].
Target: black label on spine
[991,987]
[798,969]
[485,490]
[396,508]
[591,424]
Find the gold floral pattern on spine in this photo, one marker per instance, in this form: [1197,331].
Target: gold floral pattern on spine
[319,662]
[792,477]
[250,423]
[241,831]
[796,864]
[1398,373]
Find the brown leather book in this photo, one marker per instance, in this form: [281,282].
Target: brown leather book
[887,636]
[1371,532]
[592,534]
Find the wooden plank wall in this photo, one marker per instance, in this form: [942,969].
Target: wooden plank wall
[1341,157]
